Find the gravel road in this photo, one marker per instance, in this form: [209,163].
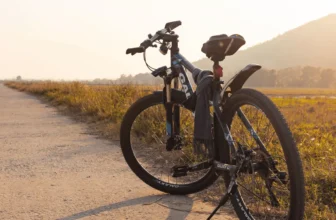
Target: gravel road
[52,168]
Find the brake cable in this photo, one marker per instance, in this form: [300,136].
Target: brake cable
[148,66]
[144,57]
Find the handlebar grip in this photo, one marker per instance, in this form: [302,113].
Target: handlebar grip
[172,25]
[135,50]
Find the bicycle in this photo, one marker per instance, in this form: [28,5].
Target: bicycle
[261,180]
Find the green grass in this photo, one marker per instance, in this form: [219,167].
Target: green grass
[312,121]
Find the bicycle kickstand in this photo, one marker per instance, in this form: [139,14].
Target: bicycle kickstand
[231,190]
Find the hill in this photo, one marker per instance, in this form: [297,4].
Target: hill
[302,57]
[312,44]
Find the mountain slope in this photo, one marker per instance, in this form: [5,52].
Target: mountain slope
[311,44]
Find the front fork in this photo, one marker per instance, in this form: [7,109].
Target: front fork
[176,112]
[172,117]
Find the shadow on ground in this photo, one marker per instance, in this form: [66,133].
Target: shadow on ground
[163,200]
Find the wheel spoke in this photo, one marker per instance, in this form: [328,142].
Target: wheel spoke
[252,193]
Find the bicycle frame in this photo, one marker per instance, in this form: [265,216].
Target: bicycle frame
[221,130]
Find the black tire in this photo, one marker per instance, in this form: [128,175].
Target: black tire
[125,141]
[291,154]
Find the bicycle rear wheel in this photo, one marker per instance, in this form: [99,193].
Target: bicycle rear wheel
[275,188]
[143,144]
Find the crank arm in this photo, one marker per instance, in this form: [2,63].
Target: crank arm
[178,171]
[224,167]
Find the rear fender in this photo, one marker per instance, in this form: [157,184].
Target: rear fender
[240,78]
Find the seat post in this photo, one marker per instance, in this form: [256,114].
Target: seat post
[217,70]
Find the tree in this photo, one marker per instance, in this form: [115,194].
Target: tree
[310,76]
[289,77]
[18,78]
[262,78]
[328,78]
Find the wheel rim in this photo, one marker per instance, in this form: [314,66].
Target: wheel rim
[148,138]
[252,187]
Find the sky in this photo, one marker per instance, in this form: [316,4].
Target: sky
[86,39]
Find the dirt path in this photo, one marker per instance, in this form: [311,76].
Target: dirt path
[51,168]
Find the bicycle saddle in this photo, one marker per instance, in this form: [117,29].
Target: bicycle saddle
[219,46]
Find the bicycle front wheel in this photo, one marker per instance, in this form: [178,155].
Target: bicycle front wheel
[143,144]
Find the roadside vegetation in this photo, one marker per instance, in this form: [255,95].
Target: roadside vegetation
[311,119]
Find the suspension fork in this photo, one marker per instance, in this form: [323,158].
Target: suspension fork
[176,112]
[172,114]
[172,111]
[169,114]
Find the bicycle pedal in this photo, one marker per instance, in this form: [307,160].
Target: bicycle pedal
[178,171]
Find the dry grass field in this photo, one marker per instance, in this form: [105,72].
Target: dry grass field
[298,92]
[311,119]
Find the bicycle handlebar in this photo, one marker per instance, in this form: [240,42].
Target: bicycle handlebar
[159,34]
[135,50]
